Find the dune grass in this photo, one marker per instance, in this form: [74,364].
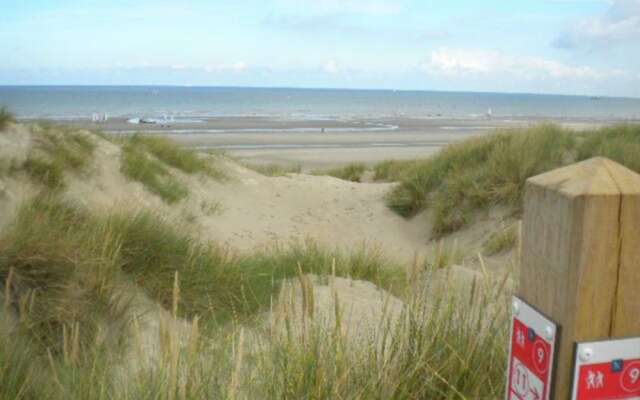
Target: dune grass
[274,169]
[147,250]
[445,255]
[57,276]
[146,159]
[620,143]
[351,172]
[68,274]
[444,344]
[501,241]
[392,170]
[57,149]
[176,156]
[137,165]
[479,173]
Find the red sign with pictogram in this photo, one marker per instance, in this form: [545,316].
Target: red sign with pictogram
[531,352]
[607,370]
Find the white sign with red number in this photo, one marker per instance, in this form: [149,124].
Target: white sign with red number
[607,370]
[531,352]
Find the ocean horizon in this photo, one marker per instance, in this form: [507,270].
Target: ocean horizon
[187,102]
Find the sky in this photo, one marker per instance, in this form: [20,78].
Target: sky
[587,47]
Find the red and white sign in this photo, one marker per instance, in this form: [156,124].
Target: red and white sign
[607,370]
[531,351]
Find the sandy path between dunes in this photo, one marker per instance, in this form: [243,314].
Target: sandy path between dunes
[259,211]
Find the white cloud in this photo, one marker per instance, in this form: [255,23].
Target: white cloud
[331,67]
[620,23]
[461,62]
[239,66]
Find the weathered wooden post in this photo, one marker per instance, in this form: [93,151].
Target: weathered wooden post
[581,255]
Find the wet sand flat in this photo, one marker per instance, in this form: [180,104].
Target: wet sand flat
[314,143]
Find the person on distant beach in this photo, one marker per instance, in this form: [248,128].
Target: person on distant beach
[321,130]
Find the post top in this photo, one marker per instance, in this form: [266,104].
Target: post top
[595,176]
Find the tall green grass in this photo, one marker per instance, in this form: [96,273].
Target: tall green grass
[176,156]
[147,250]
[620,143]
[392,170]
[57,276]
[70,272]
[442,346]
[136,164]
[445,344]
[479,173]
[145,159]
[57,149]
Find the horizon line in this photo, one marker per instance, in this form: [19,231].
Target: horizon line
[319,88]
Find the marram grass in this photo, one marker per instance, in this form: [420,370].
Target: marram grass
[476,174]
[351,172]
[57,150]
[72,332]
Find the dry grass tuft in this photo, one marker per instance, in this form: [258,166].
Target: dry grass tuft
[352,172]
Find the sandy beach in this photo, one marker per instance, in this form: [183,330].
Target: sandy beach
[320,143]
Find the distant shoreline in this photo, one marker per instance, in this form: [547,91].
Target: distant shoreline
[314,143]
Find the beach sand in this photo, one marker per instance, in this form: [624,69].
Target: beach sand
[314,144]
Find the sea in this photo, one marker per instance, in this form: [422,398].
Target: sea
[188,103]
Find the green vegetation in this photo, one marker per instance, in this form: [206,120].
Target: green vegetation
[445,255]
[59,276]
[145,159]
[70,282]
[479,173]
[620,143]
[57,149]
[274,169]
[148,251]
[6,118]
[444,346]
[176,156]
[501,241]
[392,170]
[45,172]
[70,278]
[351,172]
[139,166]
[68,302]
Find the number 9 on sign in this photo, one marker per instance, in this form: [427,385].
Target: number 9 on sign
[631,377]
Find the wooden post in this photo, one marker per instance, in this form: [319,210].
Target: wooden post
[581,255]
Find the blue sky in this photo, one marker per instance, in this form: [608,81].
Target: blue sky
[540,46]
